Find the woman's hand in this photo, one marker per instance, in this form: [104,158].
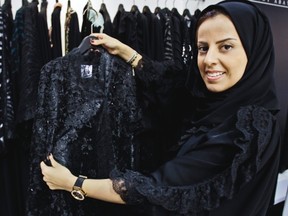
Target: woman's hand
[57,177]
[112,45]
[115,47]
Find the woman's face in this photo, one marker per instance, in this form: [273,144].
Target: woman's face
[221,57]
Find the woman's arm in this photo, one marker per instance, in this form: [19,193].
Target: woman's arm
[58,177]
[115,47]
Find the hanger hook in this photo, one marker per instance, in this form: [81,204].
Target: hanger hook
[186,3]
[173,3]
[165,3]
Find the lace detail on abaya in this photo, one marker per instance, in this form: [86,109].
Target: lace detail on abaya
[88,117]
[254,124]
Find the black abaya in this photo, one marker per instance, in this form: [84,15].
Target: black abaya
[228,159]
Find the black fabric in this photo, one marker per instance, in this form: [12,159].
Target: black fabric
[154,34]
[228,159]
[142,32]
[7,114]
[88,116]
[108,26]
[56,32]
[45,45]
[28,60]
[72,33]
[125,27]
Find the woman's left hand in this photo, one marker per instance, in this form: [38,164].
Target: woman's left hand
[56,176]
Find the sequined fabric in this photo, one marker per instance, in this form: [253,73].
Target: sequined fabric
[7,115]
[88,117]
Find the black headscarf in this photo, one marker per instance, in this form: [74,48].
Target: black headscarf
[256,87]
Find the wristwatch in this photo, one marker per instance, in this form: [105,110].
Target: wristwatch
[77,192]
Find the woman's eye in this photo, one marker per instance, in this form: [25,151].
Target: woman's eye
[226,47]
[202,49]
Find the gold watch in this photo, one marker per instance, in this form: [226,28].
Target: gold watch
[77,192]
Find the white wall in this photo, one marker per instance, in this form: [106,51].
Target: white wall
[112,7]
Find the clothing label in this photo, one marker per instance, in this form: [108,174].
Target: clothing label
[86,71]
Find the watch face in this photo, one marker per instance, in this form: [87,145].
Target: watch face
[78,194]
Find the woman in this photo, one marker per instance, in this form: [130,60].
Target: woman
[227,163]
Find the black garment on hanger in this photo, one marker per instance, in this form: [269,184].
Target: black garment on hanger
[9,204]
[125,29]
[155,34]
[43,9]
[44,34]
[108,26]
[7,106]
[56,32]
[28,60]
[72,33]
[28,57]
[91,104]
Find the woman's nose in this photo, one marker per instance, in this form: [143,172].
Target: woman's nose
[211,57]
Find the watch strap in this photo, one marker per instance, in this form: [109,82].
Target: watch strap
[79,181]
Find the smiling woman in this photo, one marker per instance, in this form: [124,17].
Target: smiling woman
[227,159]
[221,56]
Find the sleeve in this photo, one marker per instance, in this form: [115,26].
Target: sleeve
[160,82]
[201,177]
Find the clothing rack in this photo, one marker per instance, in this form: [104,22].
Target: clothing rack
[283,5]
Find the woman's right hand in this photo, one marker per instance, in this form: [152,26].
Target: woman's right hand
[115,47]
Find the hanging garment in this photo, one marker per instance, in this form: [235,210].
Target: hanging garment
[72,33]
[28,60]
[7,116]
[55,36]
[108,27]
[155,35]
[44,33]
[88,116]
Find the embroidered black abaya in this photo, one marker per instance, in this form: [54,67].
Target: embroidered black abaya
[228,159]
[88,116]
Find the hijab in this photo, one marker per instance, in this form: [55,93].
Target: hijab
[256,87]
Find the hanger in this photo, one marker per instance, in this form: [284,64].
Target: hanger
[186,3]
[85,45]
[89,6]
[165,3]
